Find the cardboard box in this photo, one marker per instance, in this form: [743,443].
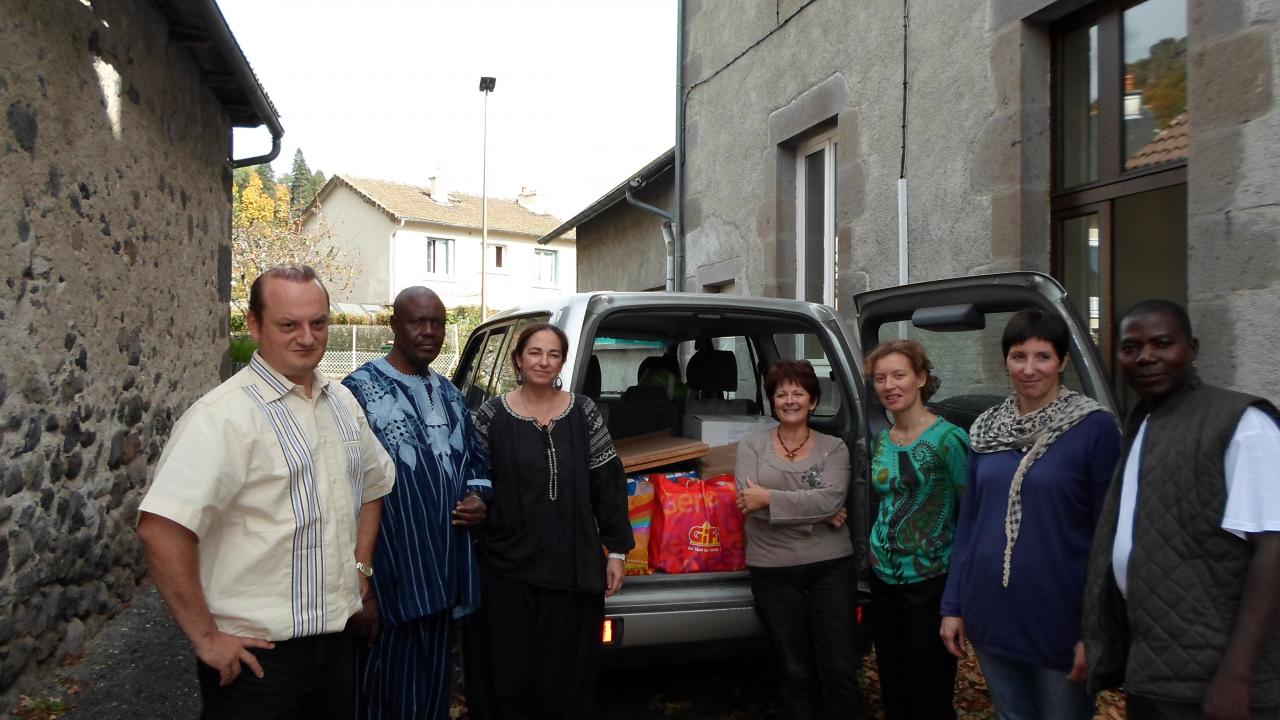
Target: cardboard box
[716,430]
[719,461]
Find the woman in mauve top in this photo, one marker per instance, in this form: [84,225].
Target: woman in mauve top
[792,481]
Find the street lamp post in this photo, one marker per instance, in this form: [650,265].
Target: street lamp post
[486,86]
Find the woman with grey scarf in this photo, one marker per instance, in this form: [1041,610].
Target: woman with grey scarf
[1041,463]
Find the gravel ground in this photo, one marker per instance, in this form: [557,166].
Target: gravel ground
[138,666]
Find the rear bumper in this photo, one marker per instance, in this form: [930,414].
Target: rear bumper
[669,609]
[664,610]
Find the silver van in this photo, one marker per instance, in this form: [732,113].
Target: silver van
[715,351]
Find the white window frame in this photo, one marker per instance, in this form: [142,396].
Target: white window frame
[494,249]
[450,257]
[827,142]
[538,255]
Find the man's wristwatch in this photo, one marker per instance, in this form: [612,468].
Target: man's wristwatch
[364,569]
[618,556]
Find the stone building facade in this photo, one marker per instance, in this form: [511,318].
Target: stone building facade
[115,212]
[1031,142]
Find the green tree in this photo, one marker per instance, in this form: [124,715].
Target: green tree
[1162,79]
[264,234]
[302,187]
[265,175]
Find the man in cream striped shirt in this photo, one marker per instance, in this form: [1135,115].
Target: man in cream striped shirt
[260,524]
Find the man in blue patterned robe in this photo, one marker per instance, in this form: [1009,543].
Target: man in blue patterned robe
[424,568]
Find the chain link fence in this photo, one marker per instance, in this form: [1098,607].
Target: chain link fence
[351,346]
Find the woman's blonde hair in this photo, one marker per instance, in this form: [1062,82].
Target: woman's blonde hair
[914,353]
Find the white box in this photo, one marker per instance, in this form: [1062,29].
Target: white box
[716,430]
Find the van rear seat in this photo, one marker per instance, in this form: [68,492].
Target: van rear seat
[711,373]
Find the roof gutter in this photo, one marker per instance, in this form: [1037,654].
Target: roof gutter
[227,46]
[643,176]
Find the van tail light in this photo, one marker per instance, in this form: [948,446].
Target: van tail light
[611,632]
[859,614]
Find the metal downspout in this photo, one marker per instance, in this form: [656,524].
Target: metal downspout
[230,49]
[391,262]
[677,210]
[668,236]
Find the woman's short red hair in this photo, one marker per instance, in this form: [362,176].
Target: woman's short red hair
[798,372]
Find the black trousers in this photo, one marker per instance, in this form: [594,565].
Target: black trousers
[306,677]
[531,652]
[810,612]
[917,674]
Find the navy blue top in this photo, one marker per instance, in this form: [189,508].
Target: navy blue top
[1036,619]
[422,563]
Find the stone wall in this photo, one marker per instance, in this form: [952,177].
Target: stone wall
[622,248]
[114,232]
[1233,191]
[764,79]
[762,75]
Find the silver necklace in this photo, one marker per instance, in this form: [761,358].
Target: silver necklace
[903,433]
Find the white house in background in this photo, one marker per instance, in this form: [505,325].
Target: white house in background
[404,235]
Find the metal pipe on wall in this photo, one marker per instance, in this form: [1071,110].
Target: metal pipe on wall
[677,206]
[668,236]
[903,247]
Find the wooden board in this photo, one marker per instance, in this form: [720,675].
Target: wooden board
[659,448]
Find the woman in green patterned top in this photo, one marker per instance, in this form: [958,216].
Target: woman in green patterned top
[918,470]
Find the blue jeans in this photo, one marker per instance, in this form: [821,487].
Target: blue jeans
[1022,691]
[810,614]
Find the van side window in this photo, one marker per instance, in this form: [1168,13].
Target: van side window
[809,346]
[505,374]
[475,377]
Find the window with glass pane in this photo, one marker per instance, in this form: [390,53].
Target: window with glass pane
[1151,246]
[969,364]
[1120,155]
[815,353]
[439,256]
[545,270]
[506,371]
[490,359]
[815,175]
[1078,111]
[815,224]
[1082,269]
[1155,83]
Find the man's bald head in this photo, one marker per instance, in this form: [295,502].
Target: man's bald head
[415,294]
[417,319]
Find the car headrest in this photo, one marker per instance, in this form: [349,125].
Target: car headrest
[713,371]
[646,396]
[592,380]
[658,362]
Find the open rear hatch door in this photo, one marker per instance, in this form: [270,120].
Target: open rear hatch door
[960,321]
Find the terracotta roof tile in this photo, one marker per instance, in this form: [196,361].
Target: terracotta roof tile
[411,202]
[1169,144]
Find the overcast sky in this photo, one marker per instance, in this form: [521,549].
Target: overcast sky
[388,89]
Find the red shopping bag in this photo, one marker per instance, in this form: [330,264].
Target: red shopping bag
[696,525]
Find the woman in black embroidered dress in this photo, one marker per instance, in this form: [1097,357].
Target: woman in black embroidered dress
[559,503]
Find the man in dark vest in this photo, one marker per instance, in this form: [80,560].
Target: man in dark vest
[1184,576]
